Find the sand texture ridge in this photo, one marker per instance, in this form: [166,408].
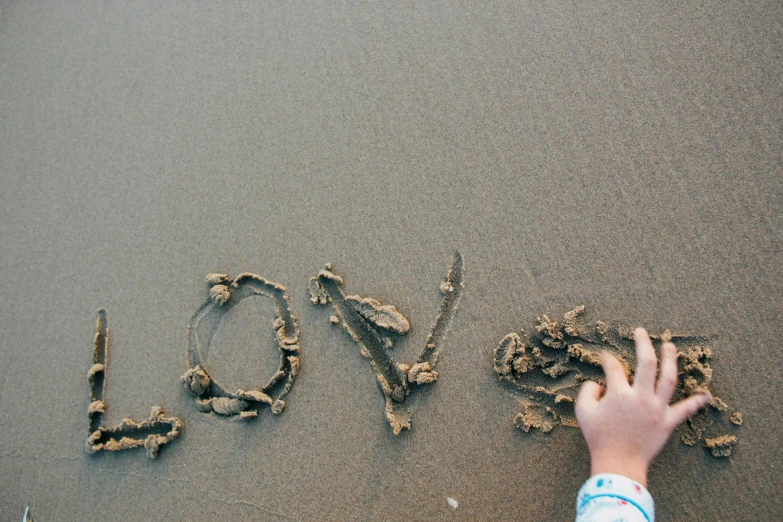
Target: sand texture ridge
[151,434]
[368,322]
[549,366]
[189,167]
[225,293]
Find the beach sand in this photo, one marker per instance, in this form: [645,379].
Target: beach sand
[622,157]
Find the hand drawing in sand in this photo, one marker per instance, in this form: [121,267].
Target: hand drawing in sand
[224,294]
[371,324]
[153,433]
[549,367]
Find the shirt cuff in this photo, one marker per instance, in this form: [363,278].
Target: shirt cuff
[618,489]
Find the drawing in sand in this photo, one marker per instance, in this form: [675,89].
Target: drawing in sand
[548,368]
[153,433]
[371,325]
[210,396]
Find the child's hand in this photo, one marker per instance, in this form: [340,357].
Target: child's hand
[627,426]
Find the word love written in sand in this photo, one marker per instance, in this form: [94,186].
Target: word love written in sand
[371,324]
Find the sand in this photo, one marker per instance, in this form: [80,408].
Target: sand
[624,157]
[547,368]
[225,293]
[369,323]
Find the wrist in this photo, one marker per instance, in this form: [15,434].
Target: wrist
[633,468]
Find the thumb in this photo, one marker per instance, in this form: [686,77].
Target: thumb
[687,407]
[588,396]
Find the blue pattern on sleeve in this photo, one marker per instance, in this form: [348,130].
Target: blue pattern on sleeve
[614,498]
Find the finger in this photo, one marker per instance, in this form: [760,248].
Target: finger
[667,382]
[687,407]
[647,362]
[614,370]
[589,394]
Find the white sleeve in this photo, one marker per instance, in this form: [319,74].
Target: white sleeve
[614,498]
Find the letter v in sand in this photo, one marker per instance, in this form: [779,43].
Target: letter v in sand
[371,325]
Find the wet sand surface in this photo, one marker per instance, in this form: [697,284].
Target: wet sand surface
[623,157]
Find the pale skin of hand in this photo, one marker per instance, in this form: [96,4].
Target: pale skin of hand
[626,425]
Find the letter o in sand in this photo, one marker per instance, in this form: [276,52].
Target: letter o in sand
[210,396]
